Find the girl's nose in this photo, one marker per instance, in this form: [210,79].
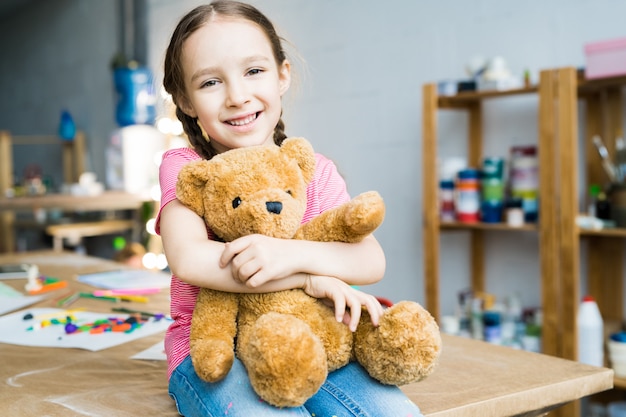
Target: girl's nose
[236,94]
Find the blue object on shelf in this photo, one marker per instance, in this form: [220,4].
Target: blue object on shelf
[491,211]
[136,97]
[67,128]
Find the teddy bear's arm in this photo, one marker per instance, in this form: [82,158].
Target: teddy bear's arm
[349,222]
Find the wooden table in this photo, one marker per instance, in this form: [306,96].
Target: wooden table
[473,379]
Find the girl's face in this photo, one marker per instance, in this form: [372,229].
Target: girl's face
[233,84]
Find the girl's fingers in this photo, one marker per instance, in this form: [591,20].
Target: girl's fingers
[340,308]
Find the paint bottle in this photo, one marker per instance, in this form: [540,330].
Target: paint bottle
[446,201]
[492,189]
[492,327]
[524,179]
[514,212]
[468,196]
[590,328]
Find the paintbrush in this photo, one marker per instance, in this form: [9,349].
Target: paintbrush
[607,164]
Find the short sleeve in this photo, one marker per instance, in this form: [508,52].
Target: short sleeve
[327,189]
[171,164]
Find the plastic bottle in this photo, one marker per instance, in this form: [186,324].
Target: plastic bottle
[594,191]
[446,201]
[590,333]
[524,179]
[467,196]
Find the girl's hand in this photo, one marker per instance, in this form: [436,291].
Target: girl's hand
[257,259]
[347,300]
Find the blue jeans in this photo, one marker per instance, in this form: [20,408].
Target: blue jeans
[347,392]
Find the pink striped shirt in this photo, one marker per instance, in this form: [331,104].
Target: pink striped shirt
[326,190]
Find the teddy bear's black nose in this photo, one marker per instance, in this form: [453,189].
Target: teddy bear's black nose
[274,206]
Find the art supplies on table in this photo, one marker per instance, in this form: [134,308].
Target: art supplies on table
[126,279]
[115,298]
[46,284]
[52,327]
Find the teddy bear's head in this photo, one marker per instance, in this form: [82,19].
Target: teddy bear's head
[259,189]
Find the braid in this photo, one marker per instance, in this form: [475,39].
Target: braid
[194,134]
[279,132]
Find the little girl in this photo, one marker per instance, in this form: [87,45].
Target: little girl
[226,71]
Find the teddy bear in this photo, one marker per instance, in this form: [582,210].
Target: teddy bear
[287,340]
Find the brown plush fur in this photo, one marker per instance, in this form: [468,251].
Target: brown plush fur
[287,340]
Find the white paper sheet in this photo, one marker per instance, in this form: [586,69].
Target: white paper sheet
[153,353]
[14,330]
[8,304]
[127,279]
[11,299]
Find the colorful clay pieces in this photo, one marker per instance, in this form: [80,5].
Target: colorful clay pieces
[110,324]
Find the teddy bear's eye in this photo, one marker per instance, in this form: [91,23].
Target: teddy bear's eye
[289,192]
[236,202]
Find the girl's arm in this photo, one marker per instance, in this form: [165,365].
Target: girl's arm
[258,259]
[196,260]
[200,261]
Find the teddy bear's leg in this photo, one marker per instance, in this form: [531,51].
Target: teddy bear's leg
[213,330]
[350,222]
[285,361]
[404,348]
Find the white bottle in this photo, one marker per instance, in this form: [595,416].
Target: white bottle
[590,333]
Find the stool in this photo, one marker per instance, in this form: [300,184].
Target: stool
[74,232]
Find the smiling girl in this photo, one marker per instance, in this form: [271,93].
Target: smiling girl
[226,71]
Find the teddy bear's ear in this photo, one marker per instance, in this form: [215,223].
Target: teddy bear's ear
[302,151]
[191,180]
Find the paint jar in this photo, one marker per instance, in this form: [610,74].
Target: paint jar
[492,189]
[446,201]
[525,179]
[493,167]
[514,212]
[492,327]
[491,211]
[467,196]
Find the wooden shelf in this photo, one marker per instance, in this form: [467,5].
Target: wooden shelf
[586,86]
[617,232]
[559,92]
[108,200]
[466,98]
[528,227]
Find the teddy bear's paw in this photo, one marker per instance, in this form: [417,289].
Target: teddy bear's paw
[365,212]
[212,360]
[404,348]
[286,362]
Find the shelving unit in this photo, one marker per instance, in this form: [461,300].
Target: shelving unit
[470,102]
[560,92]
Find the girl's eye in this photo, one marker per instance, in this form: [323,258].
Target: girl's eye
[255,71]
[209,83]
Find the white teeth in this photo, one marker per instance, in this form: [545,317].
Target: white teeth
[241,122]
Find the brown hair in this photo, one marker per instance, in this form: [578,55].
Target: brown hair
[173,80]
